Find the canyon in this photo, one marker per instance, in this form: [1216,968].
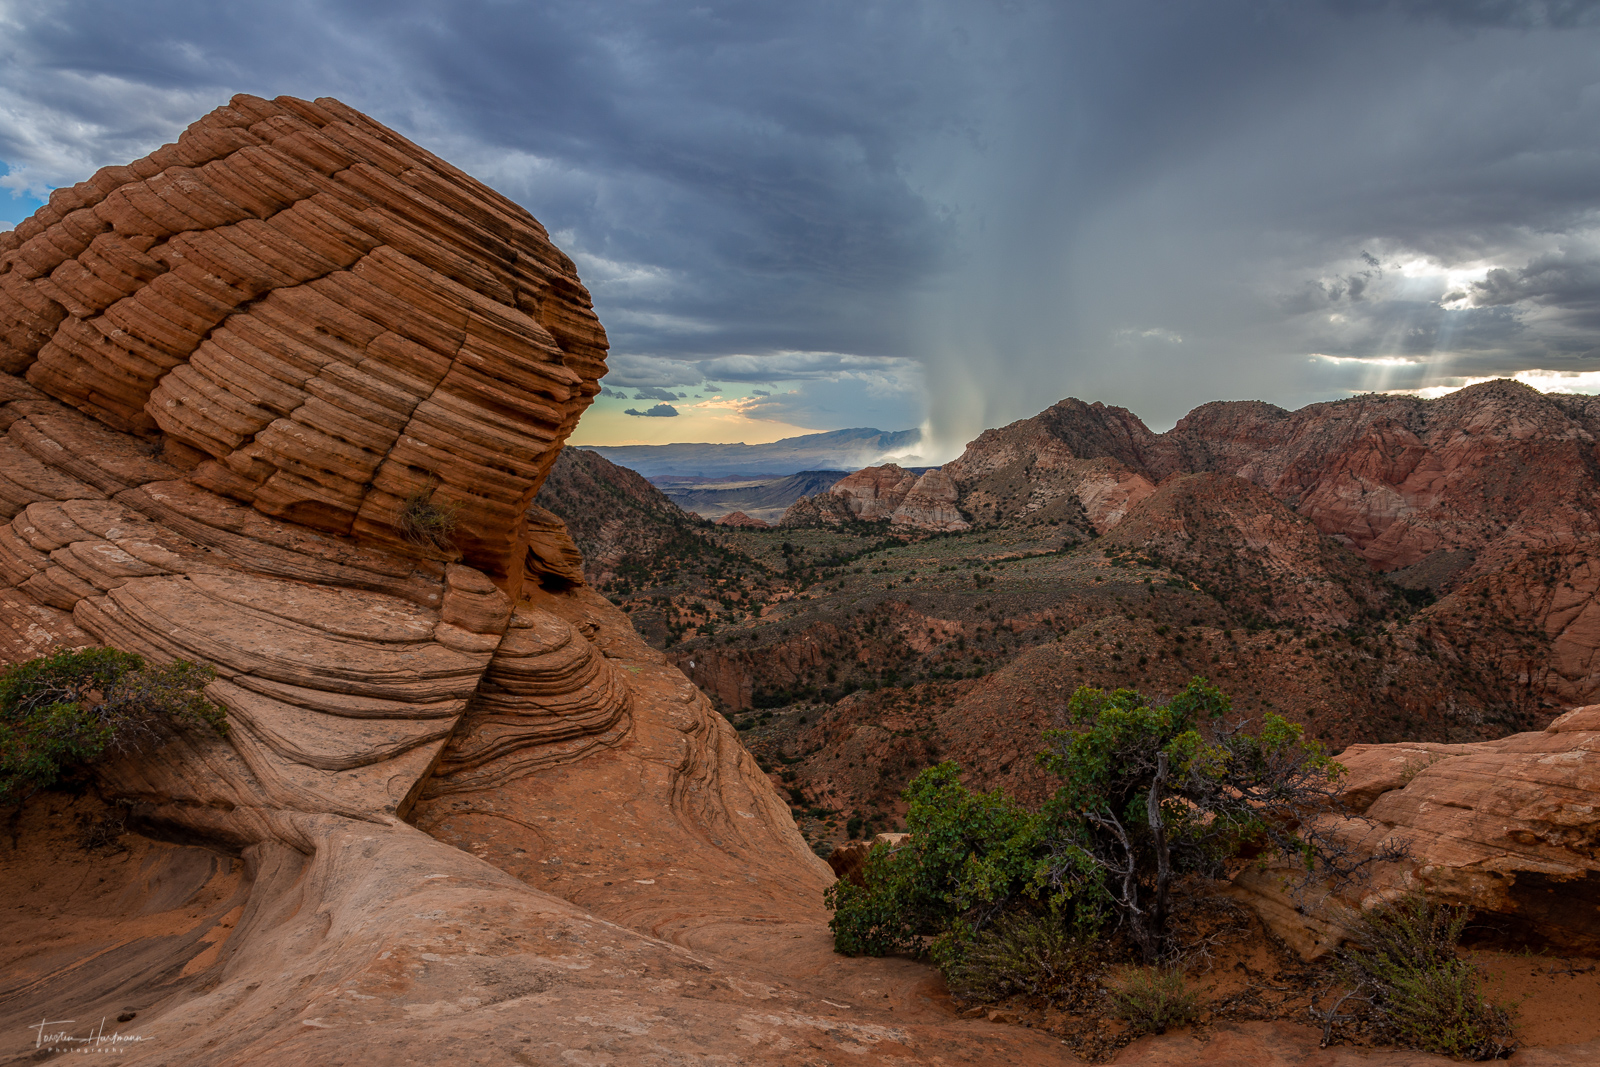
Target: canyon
[485,796]
[1380,569]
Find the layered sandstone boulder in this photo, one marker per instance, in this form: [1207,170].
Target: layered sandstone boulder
[1509,828]
[313,316]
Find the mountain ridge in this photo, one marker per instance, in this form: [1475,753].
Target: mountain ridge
[847,449]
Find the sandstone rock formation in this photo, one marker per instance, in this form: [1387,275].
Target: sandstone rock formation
[313,317]
[739,520]
[1488,469]
[1508,828]
[887,493]
[873,493]
[931,505]
[278,398]
[1494,487]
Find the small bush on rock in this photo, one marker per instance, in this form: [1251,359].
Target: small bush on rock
[426,524]
[63,711]
[1418,993]
[1153,792]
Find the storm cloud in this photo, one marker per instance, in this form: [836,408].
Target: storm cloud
[957,210]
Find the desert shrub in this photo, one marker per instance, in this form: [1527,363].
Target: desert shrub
[1153,998]
[427,524]
[969,855]
[1021,953]
[1418,993]
[1153,792]
[1146,799]
[65,710]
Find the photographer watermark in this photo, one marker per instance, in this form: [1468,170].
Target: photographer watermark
[96,1042]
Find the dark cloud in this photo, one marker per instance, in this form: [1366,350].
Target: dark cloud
[660,411]
[1567,281]
[1520,14]
[654,394]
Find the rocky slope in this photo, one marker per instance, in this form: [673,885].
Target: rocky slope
[464,812]
[626,528]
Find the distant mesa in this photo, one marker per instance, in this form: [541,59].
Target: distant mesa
[843,450]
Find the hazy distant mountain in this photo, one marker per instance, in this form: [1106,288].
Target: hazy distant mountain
[835,450]
[765,499]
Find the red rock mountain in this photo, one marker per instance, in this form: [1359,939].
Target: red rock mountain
[1492,492]
[1491,469]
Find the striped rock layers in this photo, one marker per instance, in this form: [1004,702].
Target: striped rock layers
[315,317]
[1508,828]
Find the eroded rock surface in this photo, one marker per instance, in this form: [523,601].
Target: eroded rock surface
[1508,828]
[1490,469]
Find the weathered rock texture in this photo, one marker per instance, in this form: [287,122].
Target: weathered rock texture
[1230,534]
[1490,469]
[1509,828]
[312,316]
[873,493]
[1488,498]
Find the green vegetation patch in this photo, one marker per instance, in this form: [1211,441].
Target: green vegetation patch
[61,712]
